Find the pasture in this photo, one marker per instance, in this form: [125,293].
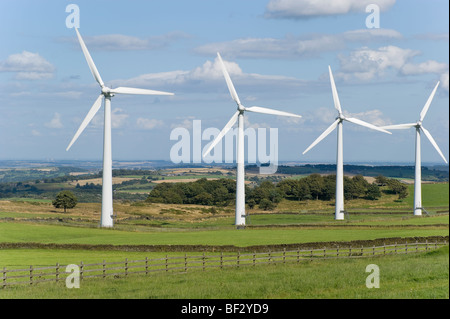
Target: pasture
[33,232]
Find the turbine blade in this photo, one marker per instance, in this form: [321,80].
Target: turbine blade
[222,133]
[126,90]
[323,135]
[94,109]
[433,142]
[89,60]
[337,104]
[362,123]
[264,110]
[398,126]
[427,105]
[228,80]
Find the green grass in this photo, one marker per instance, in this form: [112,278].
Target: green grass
[421,275]
[25,232]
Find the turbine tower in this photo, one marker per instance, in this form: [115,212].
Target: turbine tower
[419,127]
[239,117]
[106,94]
[339,209]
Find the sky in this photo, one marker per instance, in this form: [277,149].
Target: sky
[276,51]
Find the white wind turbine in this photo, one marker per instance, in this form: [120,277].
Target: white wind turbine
[239,117]
[106,93]
[339,209]
[418,174]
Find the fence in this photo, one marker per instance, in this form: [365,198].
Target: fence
[34,275]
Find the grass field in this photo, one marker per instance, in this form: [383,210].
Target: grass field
[422,275]
[292,222]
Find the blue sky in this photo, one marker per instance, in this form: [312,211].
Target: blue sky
[277,52]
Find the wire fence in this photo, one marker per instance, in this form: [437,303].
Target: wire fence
[33,275]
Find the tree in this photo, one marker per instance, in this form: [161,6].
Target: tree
[373,192]
[266,204]
[65,199]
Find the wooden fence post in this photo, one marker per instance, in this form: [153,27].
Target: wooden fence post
[81,270]
[203,261]
[4,277]
[185,263]
[31,275]
[167,265]
[254,258]
[126,267]
[146,265]
[57,272]
[104,269]
[221,260]
[237,259]
[284,255]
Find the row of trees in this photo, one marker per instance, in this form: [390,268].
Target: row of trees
[268,194]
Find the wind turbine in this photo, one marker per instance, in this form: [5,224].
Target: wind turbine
[418,174]
[239,117]
[106,94]
[339,209]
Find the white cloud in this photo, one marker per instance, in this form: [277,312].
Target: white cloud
[444,81]
[120,42]
[55,122]
[148,124]
[118,118]
[296,47]
[424,67]
[366,64]
[28,66]
[298,9]
[206,74]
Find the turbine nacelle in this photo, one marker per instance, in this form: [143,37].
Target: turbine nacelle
[106,91]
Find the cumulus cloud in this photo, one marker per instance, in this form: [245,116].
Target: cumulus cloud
[148,124]
[206,74]
[55,122]
[297,47]
[300,9]
[28,66]
[366,64]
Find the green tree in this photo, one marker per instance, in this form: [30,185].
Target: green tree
[65,199]
[373,192]
[266,204]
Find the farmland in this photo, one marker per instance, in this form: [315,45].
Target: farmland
[33,232]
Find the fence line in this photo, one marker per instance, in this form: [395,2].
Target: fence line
[34,275]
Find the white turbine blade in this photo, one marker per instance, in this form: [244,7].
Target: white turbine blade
[222,133]
[398,126]
[427,105]
[362,123]
[337,104]
[89,60]
[433,142]
[228,80]
[323,135]
[264,110]
[94,109]
[126,90]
